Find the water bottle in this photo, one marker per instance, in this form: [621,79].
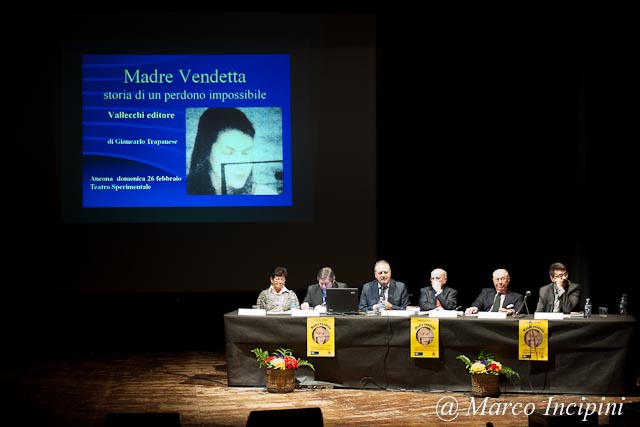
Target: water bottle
[623,305]
[380,305]
[587,308]
[293,304]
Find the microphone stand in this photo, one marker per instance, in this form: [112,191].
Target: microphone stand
[524,304]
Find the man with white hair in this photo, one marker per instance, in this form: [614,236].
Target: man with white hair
[499,298]
[438,296]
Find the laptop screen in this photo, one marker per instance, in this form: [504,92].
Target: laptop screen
[342,300]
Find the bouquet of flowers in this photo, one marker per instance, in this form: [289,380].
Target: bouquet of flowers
[282,359]
[487,364]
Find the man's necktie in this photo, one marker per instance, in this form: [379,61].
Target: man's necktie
[438,303]
[496,303]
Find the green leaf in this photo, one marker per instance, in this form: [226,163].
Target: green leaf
[261,355]
[302,362]
[465,360]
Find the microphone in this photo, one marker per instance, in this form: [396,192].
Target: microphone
[524,304]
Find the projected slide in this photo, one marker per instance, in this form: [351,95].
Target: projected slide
[186,131]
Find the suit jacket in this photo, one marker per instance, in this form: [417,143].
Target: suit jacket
[484,301]
[448,298]
[398,295]
[569,301]
[314,293]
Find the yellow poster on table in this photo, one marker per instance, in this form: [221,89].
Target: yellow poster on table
[321,337]
[425,337]
[533,340]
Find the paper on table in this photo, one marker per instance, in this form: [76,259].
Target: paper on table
[252,312]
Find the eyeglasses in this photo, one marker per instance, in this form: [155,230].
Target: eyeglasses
[437,278]
[500,279]
[561,276]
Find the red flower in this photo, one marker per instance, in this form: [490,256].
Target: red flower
[290,362]
[493,367]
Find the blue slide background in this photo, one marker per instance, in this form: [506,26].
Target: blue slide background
[105,74]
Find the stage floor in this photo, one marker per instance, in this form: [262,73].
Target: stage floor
[160,387]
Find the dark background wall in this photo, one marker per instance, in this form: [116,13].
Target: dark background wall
[510,140]
[498,144]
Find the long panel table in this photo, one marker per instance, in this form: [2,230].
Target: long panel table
[586,356]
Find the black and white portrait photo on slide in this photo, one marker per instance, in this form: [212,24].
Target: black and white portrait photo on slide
[234,151]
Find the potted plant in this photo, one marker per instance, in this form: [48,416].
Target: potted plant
[485,373]
[281,368]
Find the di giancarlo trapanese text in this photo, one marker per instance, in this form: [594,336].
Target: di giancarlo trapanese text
[450,408]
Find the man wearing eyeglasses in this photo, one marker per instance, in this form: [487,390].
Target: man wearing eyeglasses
[561,295]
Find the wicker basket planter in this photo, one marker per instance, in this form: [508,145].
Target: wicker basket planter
[485,385]
[281,380]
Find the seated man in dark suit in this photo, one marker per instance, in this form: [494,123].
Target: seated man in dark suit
[317,292]
[395,295]
[561,295]
[437,296]
[499,298]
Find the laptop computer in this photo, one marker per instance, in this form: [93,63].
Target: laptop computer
[342,300]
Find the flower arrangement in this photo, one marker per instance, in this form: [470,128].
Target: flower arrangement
[281,359]
[487,364]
